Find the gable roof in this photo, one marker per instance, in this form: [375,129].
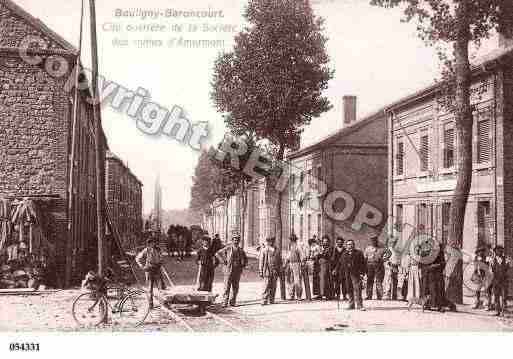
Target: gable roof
[111,156]
[339,134]
[481,65]
[38,24]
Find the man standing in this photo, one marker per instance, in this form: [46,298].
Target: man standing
[352,267]
[325,285]
[234,259]
[392,260]
[293,264]
[433,276]
[314,251]
[150,260]
[269,269]
[375,267]
[339,283]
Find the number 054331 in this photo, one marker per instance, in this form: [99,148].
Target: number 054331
[24,347]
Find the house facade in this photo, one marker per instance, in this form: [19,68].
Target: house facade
[226,218]
[124,199]
[423,160]
[335,179]
[37,163]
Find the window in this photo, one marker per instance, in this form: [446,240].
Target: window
[399,218]
[448,153]
[293,185]
[292,223]
[424,218]
[484,223]
[424,152]
[301,227]
[309,225]
[446,213]
[319,225]
[400,159]
[484,141]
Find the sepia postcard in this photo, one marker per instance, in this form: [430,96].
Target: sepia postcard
[254,166]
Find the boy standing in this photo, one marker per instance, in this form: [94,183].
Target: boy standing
[500,266]
[150,260]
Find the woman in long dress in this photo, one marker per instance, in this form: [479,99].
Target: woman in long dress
[414,283]
[207,265]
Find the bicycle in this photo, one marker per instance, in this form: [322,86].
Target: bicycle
[124,304]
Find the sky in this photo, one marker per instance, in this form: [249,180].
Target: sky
[375,57]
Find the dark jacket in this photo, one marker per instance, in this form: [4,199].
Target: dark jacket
[335,257]
[500,272]
[227,256]
[352,264]
[269,263]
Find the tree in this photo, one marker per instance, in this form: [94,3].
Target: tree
[235,175]
[271,84]
[458,23]
[202,193]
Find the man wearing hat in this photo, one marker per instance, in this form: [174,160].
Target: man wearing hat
[269,268]
[234,259]
[481,267]
[351,266]
[150,260]
[374,255]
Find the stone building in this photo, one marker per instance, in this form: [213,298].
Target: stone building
[423,160]
[338,186]
[36,116]
[124,199]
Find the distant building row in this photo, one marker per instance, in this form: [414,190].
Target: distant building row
[402,161]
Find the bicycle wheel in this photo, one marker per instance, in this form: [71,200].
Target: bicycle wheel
[89,310]
[134,308]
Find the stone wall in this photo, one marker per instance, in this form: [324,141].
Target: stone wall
[35,143]
[34,119]
[124,199]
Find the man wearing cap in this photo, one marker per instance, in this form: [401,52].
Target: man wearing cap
[234,259]
[375,267]
[500,267]
[150,260]
[269,269]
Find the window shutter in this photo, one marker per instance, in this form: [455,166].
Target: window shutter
[448,147]
[424,153]
[400,159]
[484,141]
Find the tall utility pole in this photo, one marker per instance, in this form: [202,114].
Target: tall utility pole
[100,157]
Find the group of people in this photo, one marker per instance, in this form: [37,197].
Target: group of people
[210,253]
[179,241]
[332,271]
[491,277]
[341,272]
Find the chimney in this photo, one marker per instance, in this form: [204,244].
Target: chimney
[349,108]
